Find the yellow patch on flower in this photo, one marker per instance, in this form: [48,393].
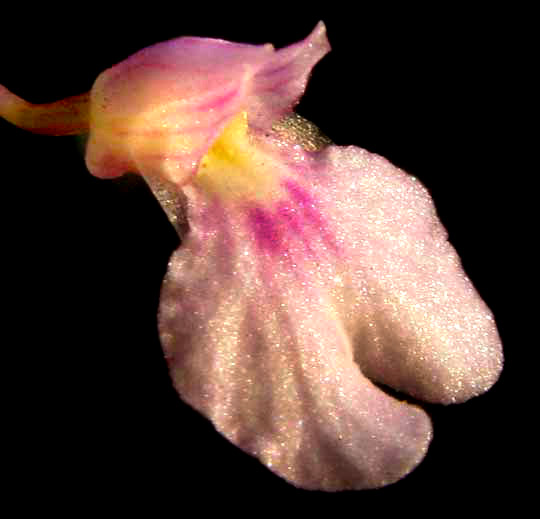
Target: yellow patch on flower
[235,168]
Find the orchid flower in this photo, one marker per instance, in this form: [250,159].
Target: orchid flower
[308,274]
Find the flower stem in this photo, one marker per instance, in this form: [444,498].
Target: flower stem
[65,117]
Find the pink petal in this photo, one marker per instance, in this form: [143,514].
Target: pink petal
[254,342]
[419,325]
[158,112]
[266,307]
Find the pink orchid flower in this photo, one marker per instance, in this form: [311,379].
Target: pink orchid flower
[308,274]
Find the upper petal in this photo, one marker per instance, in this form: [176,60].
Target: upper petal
[158,112]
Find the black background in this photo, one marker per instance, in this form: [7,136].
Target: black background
[90,411]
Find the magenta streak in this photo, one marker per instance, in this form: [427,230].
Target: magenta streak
[218,102]
[293,222]
[277,79]
[278,85]
[275,71]
[311,216]
[297,217]
[266,230]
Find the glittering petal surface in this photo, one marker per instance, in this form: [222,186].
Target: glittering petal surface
[418,324]
[274,318]
[250,325]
